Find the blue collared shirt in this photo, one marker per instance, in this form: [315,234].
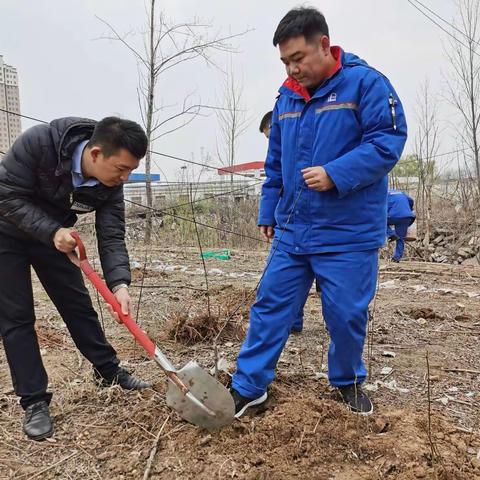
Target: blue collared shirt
[77,178]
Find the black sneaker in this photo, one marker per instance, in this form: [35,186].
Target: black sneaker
[122,378]
[37,423]
[242,403]
[393,238]
[356,399]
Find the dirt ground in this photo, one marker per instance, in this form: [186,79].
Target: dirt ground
[304,432]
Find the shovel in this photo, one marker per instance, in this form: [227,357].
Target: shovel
[192,392]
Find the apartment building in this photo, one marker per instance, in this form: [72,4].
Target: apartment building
[10,124]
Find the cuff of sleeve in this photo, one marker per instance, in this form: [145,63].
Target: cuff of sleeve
[343,186]
[118,287]
[266,214]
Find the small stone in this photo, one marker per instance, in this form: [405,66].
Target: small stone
[387,353]
[205,440]
[476,462]
[386,371]
[229,344]
[453,389]
[257,461]
[381,426]
[461,445]
[420,472]
[103,455]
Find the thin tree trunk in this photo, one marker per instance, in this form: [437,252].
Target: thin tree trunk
[149,119]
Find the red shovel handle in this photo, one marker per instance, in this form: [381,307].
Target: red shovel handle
[109,297]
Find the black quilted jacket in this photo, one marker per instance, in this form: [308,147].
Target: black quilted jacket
[37,196]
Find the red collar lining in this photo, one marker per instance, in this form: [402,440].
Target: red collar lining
[293,85]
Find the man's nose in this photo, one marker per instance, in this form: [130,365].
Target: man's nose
[293,70]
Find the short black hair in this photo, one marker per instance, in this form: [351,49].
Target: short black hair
[266,121]
[113,134]
[306,21]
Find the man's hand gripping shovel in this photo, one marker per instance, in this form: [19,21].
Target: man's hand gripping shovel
[192,392]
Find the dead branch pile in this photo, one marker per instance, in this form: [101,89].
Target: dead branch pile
[191,328]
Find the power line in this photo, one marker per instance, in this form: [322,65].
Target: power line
[223,169]
[23,116]
[224,194]
[226,168]
[146,207]
[443,29]
[452,25]
[220,169]
[418,159]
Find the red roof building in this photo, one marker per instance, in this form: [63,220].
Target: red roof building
[254,169]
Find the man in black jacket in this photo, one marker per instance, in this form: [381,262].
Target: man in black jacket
[52,173]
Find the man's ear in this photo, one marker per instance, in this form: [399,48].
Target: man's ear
[325,44]
[95,152]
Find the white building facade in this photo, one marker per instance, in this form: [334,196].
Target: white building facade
[10,124]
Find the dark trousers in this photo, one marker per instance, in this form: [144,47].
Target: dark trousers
[64,284]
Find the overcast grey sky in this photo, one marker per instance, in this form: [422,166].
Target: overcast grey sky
[65,69]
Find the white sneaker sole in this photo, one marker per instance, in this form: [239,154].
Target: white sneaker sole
[252,403]
[362,414]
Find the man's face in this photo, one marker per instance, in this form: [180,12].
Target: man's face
[306,62]
[114,169]
[266,131]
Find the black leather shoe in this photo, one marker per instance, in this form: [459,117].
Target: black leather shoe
[122,378]
[37,423]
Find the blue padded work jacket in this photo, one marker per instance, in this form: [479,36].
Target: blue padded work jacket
[400,205]
[354,126]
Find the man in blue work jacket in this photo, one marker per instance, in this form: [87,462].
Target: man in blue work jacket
[337,129]
[400,215]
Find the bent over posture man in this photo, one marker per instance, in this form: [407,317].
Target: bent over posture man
[51,173]
[400,216]
[337,129]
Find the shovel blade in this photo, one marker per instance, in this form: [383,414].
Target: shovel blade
[206,389]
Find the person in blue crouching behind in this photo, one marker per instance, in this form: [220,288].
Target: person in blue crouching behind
[265,125]
[400,216]
[337,129]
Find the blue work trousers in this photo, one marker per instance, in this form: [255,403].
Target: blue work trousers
[347,283]
[400,229]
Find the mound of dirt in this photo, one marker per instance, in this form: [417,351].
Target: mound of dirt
[191,328]
[305,436]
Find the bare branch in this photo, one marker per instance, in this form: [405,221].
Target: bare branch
[122,40]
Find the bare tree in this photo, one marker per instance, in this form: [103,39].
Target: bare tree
[463,85]
[167,45]
[232,119]
[426,147]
